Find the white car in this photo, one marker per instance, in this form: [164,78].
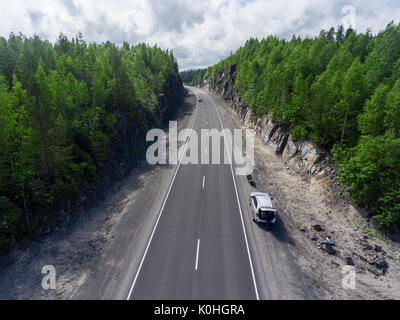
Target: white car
[263,211]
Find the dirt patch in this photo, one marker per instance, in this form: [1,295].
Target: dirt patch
[73,250]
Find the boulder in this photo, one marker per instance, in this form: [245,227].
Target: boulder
[328,249]
[381,264]
[278,139]
[349,261]
[291,149]
[335,264]
[318,228]
[367,247]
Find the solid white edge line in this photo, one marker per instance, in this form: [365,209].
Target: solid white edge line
[197,254]
[238,201]
[163,205]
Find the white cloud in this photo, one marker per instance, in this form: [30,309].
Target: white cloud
[200,32]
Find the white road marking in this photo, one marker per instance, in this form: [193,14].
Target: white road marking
[205,151]
[162,207]
[204,181]
[197,254]
[238,201]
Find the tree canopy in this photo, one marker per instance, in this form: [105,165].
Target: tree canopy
[341,90]
[58,106]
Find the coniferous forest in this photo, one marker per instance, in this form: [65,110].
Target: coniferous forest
[342,91]
[59,104]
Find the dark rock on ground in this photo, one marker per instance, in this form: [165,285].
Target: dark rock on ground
[318,228]
[349,261]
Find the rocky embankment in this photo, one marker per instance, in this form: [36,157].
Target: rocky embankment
[127,146]
[315,206]
[105,230]
[304,155]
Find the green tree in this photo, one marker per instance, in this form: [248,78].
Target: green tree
[392,116]
[372,175]
[371,121]
[354,95]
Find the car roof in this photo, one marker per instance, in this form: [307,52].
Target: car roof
[263,200]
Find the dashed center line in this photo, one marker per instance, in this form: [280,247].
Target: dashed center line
[204,181]
[197,254]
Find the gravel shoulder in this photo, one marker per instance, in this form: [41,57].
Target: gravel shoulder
[96,254]
[309,212]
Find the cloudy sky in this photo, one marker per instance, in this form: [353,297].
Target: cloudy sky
[200,32]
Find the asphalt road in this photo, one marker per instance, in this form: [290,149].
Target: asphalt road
[177,232]
[198,248]
[172,238]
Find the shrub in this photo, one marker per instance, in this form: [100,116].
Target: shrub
[299,133]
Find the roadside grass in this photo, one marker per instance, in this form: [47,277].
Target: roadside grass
[374,234]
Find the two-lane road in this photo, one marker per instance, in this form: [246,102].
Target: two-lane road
[198,248]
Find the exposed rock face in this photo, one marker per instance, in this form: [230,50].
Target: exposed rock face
[127,146]
[223,82]
[305,155]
